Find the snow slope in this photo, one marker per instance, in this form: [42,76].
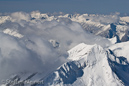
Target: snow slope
[121,61]
[121,49]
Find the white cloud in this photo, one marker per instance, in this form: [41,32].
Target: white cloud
[34,52]
[17,16]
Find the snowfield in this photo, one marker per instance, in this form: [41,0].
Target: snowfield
[64,49]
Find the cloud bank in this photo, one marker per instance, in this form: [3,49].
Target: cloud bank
[43,46]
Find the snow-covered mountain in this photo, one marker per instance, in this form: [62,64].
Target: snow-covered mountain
[107,26]
[89,65]
[63,49]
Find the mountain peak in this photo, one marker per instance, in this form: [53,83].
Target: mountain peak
[91,70]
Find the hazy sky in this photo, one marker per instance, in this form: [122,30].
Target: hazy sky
[67,6]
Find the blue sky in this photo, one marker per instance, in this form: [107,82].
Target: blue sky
[66,6]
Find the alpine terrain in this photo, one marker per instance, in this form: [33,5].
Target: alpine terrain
[43,49]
